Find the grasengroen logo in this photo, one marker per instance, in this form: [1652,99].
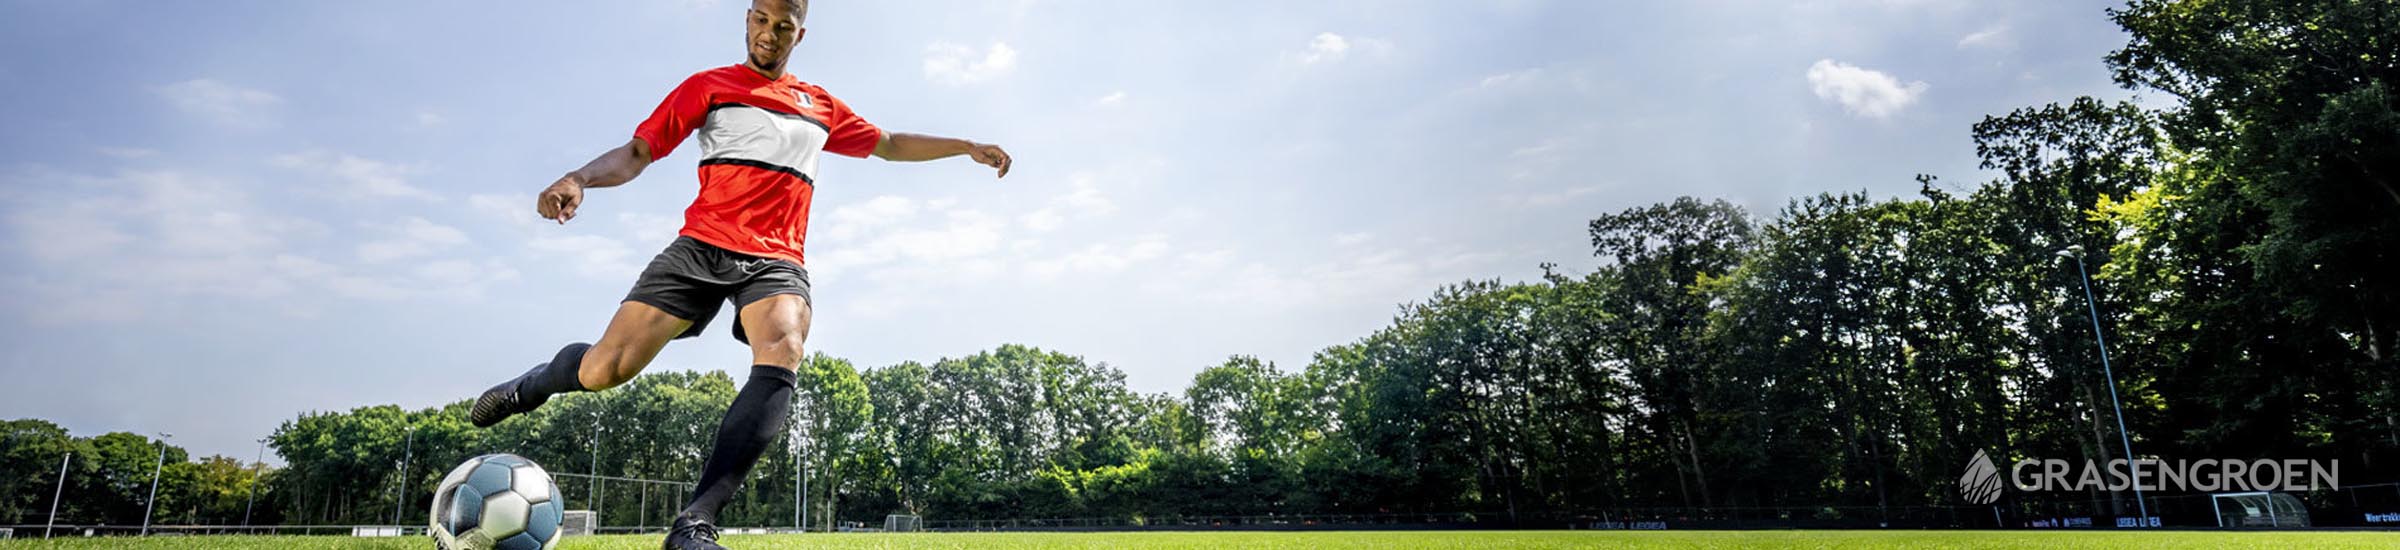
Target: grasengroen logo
[1981,483]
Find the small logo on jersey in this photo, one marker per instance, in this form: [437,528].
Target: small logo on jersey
[802,97]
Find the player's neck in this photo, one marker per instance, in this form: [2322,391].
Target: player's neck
[775,74]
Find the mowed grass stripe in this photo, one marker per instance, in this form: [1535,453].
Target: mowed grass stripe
[1339,540]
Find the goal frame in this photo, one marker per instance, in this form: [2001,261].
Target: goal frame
[2282,510]
[903,523]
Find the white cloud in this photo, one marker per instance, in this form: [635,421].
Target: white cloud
[359,178]
[955,65]
[1356,276]
[964,234]
[592,256]
[1206,259]
[1544,149]
[225,103]
[592,247]
[1993,39]
[411,238]
[1545,160]
[888,229]
[1101,258]
[1511,79]
[456,273]
[1083,200]
[649,226]
[1044,219]
[1327,47]
[1112,99]
[1539,199]
[98,215]
[849,221]
[518,212]
[199,237]
[444,277]
[1352,239]
[1997,37]
[1863,92]
[1086,197]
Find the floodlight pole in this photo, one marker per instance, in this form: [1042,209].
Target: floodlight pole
[800,488]
[592,492]
[257,466]
[400,490]
[799,470]
[155,473]
[2075,252]
[58,493]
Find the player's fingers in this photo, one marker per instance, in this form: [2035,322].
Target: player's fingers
[545,206]
[1005,162]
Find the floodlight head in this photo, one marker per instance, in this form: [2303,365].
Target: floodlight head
[2072,251]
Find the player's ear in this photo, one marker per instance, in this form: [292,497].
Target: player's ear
[798,35]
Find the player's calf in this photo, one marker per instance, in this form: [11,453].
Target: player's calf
[530,390]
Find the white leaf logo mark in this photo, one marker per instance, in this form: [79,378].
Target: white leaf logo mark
[1981,483]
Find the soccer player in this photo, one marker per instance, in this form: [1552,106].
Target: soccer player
[760,134]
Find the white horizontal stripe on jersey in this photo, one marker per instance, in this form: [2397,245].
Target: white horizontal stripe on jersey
[751,133]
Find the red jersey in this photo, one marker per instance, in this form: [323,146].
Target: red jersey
[759,140]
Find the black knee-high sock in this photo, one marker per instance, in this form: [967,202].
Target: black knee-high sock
[759,412]
[561,375]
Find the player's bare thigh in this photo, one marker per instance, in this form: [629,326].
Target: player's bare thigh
[634,336]
[777,327]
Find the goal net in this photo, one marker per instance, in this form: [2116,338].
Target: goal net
[580,522]
[2273,510]
[902,523]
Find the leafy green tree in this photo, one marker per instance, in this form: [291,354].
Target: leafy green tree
[30,454]
[1662,257]
[2291,202]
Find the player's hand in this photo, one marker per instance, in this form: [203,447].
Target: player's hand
[990,155]
[559,201]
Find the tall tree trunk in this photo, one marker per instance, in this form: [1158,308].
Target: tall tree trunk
[1882,496]
[1682,483]
[1691,446]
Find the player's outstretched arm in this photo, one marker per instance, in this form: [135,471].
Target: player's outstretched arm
[611,169]
[906,147]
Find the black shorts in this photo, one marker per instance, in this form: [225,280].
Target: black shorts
[691,280]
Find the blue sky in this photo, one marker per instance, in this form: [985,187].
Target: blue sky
[215,216]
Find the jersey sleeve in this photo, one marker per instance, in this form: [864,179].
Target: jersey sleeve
[683,111]
[852,135]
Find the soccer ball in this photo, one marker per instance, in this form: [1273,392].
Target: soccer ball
[497,502]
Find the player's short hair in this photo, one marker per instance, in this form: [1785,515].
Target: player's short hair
[798,8]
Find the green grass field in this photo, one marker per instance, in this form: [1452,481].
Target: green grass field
[1324,539]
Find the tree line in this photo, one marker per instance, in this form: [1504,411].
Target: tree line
[2242,245]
